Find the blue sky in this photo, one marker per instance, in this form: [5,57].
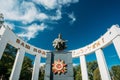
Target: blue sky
[79,21]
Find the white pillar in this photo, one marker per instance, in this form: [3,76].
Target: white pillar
[83,68]
[3,43]
[17,65]
[116,43]
[104,72]
[36,67]
[3,40]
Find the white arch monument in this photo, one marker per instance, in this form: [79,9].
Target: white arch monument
[111,36]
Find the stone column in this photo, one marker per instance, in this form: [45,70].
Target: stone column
[116,43]
[3,43]
[36,67]
[83,68]
[3,40]
[104,72]
[17,65]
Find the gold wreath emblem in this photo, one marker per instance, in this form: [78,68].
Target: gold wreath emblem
[59,67]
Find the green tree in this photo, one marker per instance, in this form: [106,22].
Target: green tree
[41,73]
[96,74]
[6,64]
[77,73]
[7,61]
[116,72]
[26,71]
[91,66]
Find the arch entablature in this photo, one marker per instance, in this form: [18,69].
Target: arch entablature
[11,38]
[102,42]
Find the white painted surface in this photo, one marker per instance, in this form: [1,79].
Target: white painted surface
[116,43]
[3,40]
[12,37]
[83,68]
[36,68]
[102,65]
[2,30]
[103,41]
[113,32]
[3,44]
[17,65]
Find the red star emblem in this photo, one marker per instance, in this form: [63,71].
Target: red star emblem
[59,67]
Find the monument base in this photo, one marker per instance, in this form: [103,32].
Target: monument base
[66,59]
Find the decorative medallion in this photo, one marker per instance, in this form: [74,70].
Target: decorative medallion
[59,67]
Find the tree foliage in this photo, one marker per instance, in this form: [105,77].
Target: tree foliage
[6,64]
[26,72]
[116,72]
[41,73]
[7,61]
[91,66]
[96,74]
[77,73]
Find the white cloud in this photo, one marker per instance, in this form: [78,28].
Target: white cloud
[8,9]
[113,56]
[72,17]
[32,30]
[64,2]
[42,16]
[27,12]
[10,25]
[52,4]
[48,4]
[75,64]
[57,16]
